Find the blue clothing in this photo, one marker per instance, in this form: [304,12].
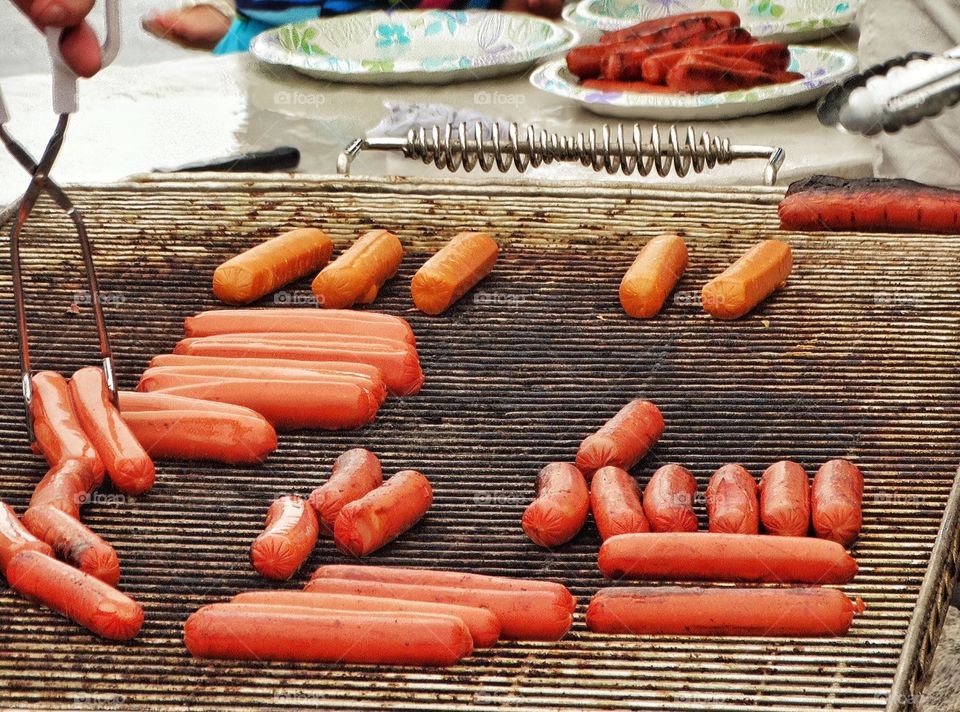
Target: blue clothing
[256,16]
[240,35]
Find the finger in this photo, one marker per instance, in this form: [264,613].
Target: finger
[59,13]
[81,50]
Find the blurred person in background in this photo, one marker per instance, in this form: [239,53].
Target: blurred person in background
[223,27]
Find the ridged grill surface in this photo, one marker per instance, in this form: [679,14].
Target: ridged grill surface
[856,358]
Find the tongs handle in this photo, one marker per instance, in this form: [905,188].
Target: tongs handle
[900,92]
[64,78]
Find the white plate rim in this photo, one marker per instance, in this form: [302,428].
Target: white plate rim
[720,105]
[579,15]
[266,49]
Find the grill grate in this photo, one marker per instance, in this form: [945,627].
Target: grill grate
[856,358]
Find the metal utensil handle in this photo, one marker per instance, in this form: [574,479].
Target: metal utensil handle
[64,78]
[43,184]
[464,147]
[64,103]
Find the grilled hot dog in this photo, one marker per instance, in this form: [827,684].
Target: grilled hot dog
[286,542]
[560,508]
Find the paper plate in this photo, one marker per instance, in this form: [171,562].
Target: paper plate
[416,46]
[781,21]
[821,69]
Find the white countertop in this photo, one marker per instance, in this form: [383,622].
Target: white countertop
[133,119]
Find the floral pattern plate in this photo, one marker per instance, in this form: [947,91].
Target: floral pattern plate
[416,46]
[776,20]
[821,68]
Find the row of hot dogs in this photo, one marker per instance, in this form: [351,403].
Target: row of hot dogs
[449,274]
[654,537]
[820,203]
[785,503]
[298,368]
[699,52]
[357,275]
[736,291]
[382,615]
[426,617]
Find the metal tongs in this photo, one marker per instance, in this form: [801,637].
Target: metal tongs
[900,92]
[64,104]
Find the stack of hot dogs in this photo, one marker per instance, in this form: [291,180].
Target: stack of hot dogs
[692,53]
[354,505]
[381,615]
[286,368]
[296,368]
[654,538]
[82,436]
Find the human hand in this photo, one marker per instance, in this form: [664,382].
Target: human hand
[78,45]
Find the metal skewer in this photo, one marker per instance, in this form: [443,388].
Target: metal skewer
[613,150]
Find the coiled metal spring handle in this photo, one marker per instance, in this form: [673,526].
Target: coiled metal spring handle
[611,150]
